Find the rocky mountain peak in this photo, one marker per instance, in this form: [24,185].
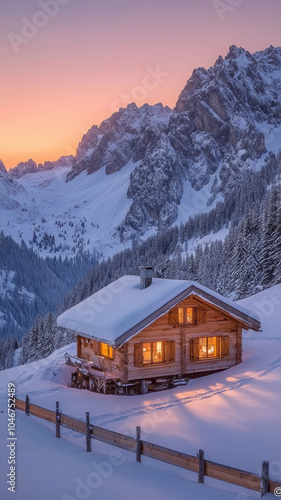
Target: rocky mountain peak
[234,52]
[30,167]
[63,161]
[23,168]
[122,137]
[214,136]
[2,167]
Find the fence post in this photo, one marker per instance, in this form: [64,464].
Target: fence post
[88,433]
[57,419]
[264,478]
[27,401]
[201,466]
[138,444]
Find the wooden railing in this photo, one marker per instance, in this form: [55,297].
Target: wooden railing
[143,448]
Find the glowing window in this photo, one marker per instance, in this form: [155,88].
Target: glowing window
[187,315]
[158,352]
[106,350]
[146,353]
[153,352]
[209,347]
[180,313]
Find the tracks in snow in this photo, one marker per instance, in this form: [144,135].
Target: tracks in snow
[199,395]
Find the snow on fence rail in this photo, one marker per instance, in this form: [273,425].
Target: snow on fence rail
[196,464]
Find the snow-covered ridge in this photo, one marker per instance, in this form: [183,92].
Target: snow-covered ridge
[29,167]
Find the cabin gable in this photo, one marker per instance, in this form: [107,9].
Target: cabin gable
[192,337]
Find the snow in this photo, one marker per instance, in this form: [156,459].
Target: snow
[48,204]
[234,416]
[193,243]
[272,136]
[6,283]
[120,306]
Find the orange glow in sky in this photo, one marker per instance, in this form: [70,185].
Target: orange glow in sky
[89,58]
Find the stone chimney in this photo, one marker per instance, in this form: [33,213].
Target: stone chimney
[146,274]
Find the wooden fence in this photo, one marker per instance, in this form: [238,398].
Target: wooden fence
[141,448]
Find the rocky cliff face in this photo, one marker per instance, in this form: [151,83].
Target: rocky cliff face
[215,136]
[63,161]
[2,167]
[123,137]
[23,168]
[10,191]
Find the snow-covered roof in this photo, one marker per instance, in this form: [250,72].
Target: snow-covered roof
[120,310]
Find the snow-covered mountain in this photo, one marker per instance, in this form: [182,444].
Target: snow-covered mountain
[146,168]
[30,167]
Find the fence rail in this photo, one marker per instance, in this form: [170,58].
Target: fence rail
[143,448]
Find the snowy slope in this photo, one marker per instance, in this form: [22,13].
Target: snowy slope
[233,415]
[82,214]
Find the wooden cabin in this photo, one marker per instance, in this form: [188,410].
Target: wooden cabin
[140,334]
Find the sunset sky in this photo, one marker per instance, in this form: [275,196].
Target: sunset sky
[87,58]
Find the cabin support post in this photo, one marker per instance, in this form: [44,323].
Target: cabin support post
[264,478]
[57,419]
[88,433]
[27,401]
[138,444]
[201,468]
[143,387]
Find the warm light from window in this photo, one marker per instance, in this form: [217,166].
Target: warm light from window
[189,315]
[153,352]
[212,346]
[208,347]
[180,315]
[106,350]
[186,315]
[158,352]
[146,353]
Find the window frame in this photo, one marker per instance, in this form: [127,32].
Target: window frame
[224,348]
[194,315]
[168,349]
[152,362]
[218,347]
[109,347]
